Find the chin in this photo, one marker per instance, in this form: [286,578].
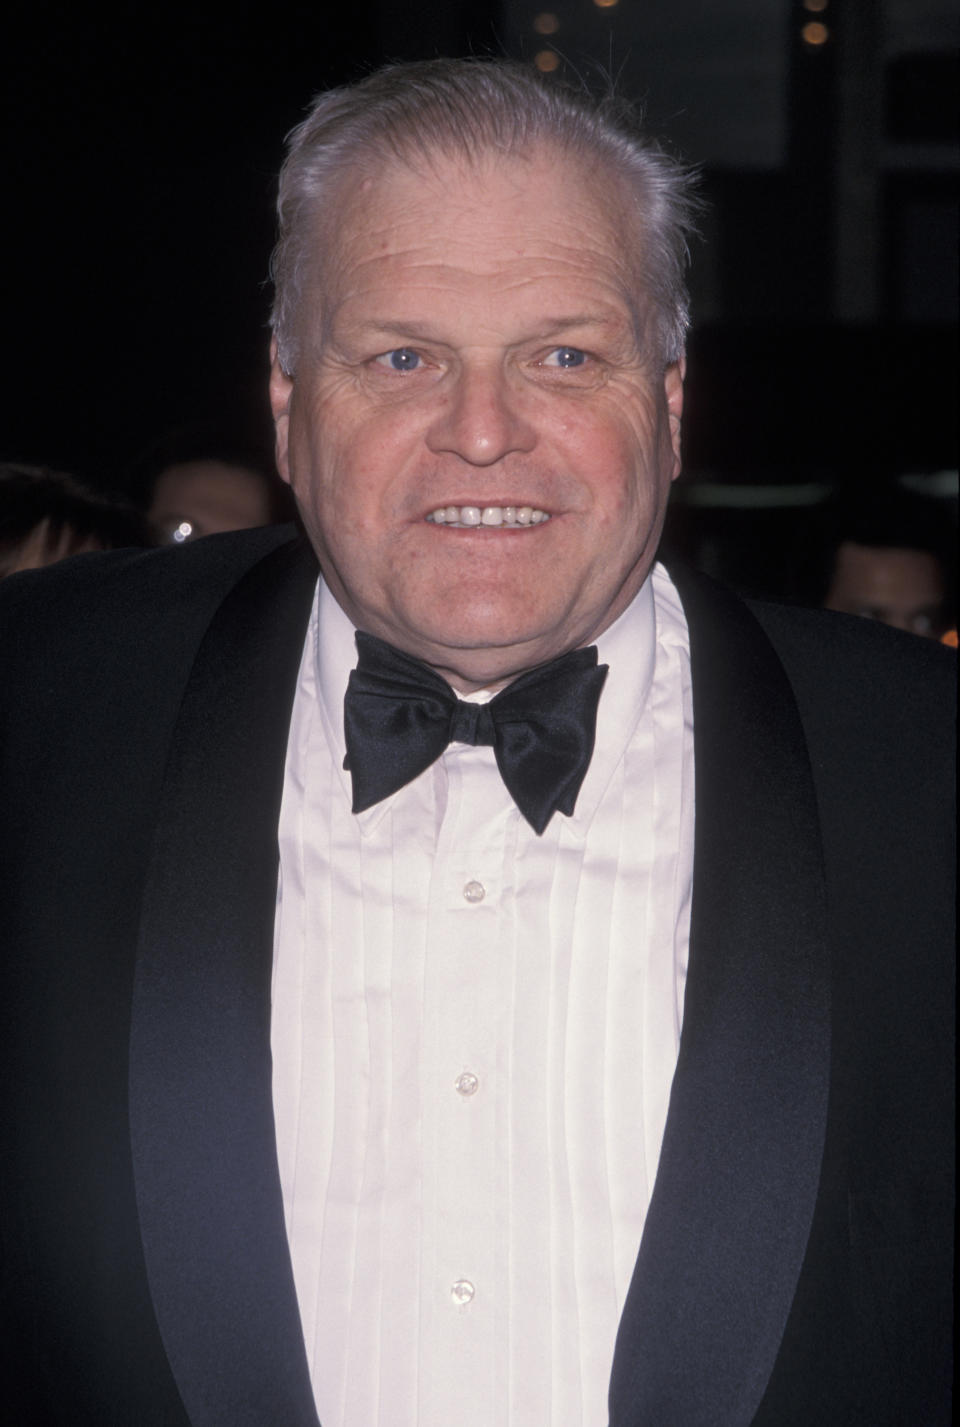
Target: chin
[481,657]
[474,630]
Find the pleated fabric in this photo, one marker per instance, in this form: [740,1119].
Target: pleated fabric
[474,1032]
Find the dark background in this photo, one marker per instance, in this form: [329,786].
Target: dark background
[142,145]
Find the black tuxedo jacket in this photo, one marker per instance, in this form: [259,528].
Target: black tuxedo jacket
[796,1263]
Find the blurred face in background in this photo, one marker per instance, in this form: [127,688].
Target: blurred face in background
[481,434]
[44,545]
[207,497]
[904,588]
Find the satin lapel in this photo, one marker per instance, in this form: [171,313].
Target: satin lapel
[202,1130]
[737,1181]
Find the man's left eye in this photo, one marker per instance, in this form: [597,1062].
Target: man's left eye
[566,357]
[400,359]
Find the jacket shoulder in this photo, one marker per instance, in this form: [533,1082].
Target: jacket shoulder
[860,677]
[877,713]
[878,710]
[132,584]
[98,610]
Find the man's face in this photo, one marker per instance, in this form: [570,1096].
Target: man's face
[902,587]
[206,497]
[475,354]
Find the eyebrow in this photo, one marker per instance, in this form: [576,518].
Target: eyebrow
[579,319]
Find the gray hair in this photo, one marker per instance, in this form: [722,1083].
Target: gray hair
[469,107]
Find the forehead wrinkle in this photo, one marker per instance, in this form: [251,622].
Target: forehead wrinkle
[494,321]
[605,281]
[485,245]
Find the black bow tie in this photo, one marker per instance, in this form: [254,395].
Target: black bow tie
[399,716]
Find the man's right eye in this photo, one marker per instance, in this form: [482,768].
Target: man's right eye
[400,359]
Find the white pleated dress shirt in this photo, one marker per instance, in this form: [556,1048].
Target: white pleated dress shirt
[474,1033]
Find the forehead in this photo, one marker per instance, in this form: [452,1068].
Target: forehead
[890,572]
[504,224]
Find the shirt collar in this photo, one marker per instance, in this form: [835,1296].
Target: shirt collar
[336,656]
[628,647]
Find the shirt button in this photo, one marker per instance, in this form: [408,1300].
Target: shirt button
[474,892]
[467,1083]
[462,1291]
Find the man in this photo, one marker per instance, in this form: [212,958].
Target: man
[205,497]
[403,1091]
[890,559]
[204,479]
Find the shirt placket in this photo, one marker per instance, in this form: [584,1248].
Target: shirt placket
[464,1020]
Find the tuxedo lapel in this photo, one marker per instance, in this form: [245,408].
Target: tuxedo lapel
[737,1181]
[208,1190]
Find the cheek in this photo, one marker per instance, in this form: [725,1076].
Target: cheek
[613,465]
[358,463]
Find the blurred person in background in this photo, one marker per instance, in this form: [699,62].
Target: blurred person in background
[891,558]
[46,515]
[203,480]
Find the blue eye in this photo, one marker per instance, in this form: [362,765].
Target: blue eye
[401,359]
[567,357]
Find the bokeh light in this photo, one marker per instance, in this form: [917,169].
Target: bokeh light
[815,34]
[546,23]
[547,61]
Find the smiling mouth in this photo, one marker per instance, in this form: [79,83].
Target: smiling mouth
[469,517]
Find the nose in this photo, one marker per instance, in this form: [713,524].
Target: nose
[480,420]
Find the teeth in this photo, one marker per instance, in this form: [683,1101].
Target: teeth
[469,516]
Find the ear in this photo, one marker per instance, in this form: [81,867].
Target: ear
[281,390]
[673,390]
